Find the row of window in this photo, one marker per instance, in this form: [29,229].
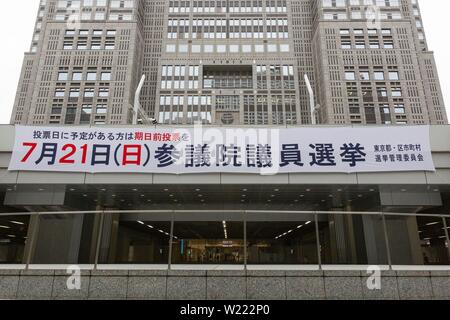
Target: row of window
[86,32]
[385,114]
[343,3]
[176,77]
[360,43]
[196,238]
[86,109]
[74,93]
[87,76]
[376,75]
[223,6]
[77,4]
[359,32]
[94,44]
[357,15]
[225,29]
[228,48]
[97,16]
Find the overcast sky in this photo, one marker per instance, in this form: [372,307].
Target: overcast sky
[16,31]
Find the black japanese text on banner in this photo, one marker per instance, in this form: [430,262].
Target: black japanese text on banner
[213,150]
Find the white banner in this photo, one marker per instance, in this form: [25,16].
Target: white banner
[205,149]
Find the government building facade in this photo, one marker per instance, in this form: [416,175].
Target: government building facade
[229,63]
[306,231]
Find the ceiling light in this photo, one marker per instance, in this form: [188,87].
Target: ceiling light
[135,190]
[11,236]
[276,190]
[432,223]
[141,222]
[5,227]
[151,227]
[17,222]
[307,222]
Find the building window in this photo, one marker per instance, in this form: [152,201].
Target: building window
[106,76]
[91,76]
[282,242]
[417,240]
[393,75]
[209,242]
[62,76]
[77,76]
[64,239]
[350,75]
[13,237]
[343,239]
[136,239]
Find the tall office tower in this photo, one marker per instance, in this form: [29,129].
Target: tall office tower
[229,62]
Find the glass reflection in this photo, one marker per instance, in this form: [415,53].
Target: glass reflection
[13,237]
[352,239]
[212,242]
[291,242]
[135,241]
[65,239]
[417,240]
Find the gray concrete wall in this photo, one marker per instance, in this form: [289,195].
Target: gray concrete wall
[233,285]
